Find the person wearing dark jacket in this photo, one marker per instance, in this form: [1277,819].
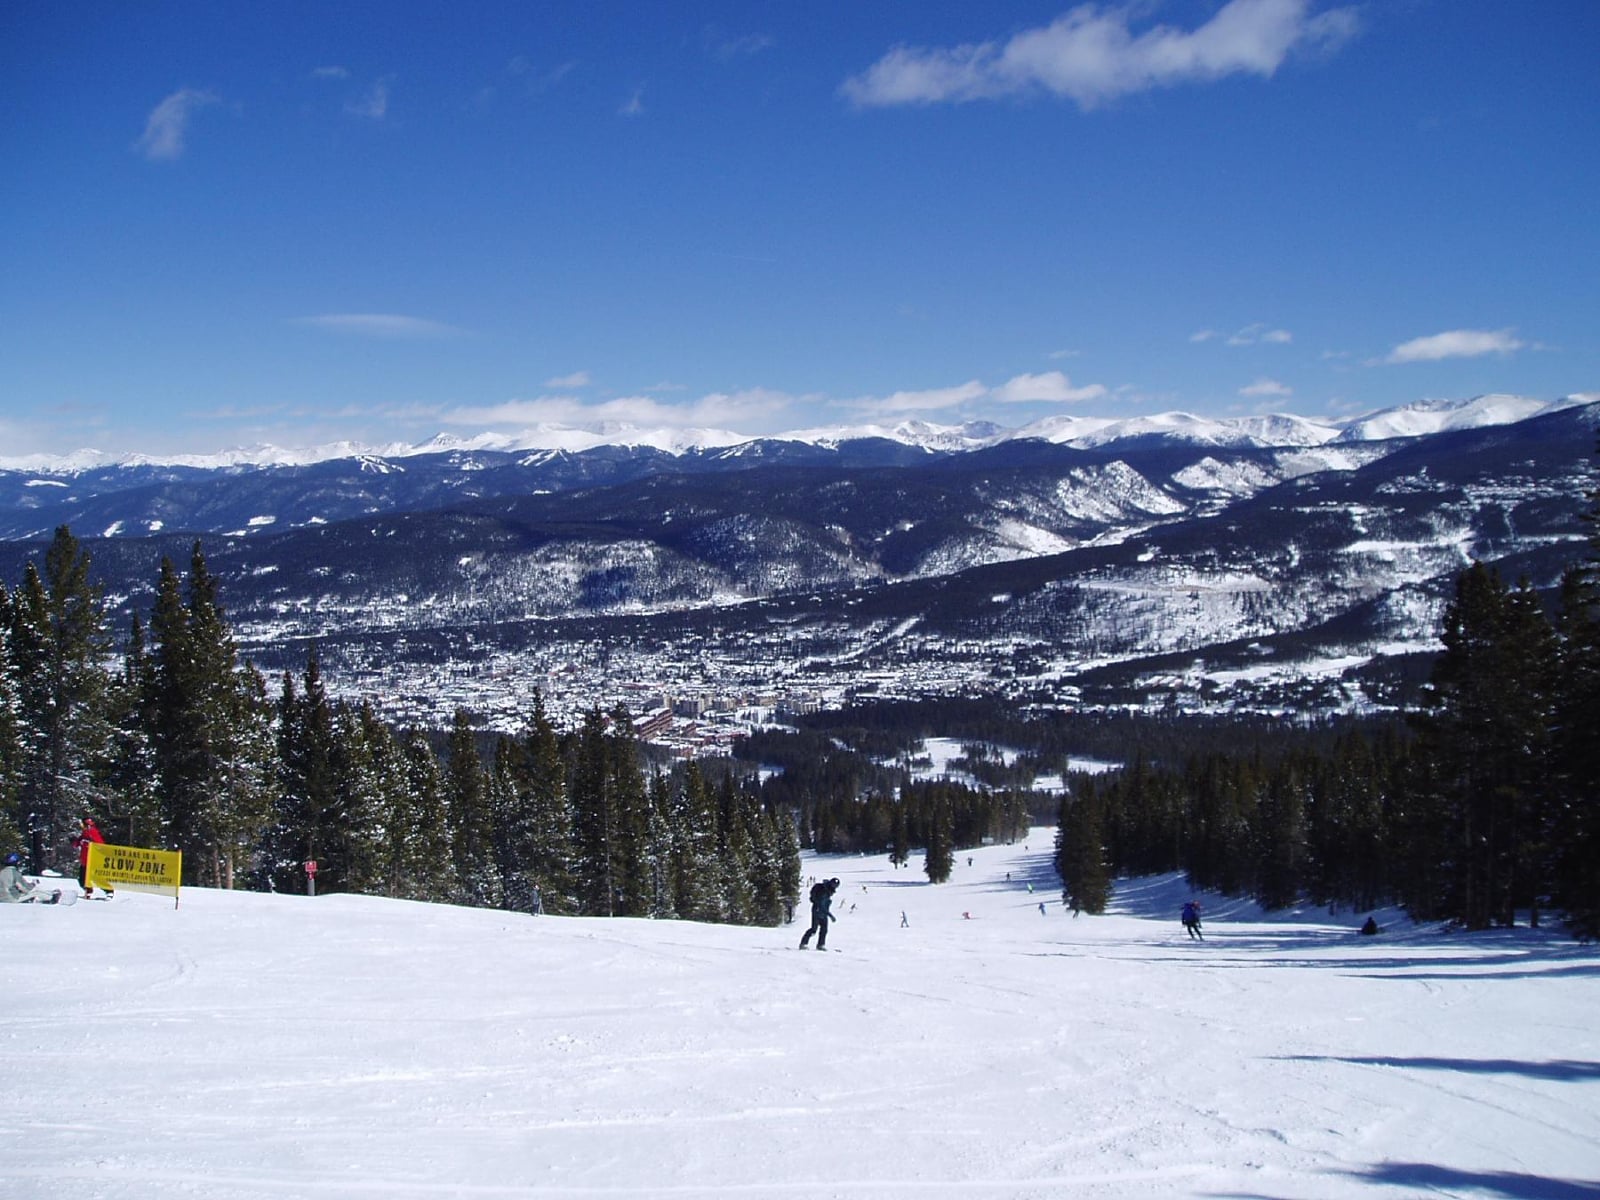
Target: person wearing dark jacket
[821,903]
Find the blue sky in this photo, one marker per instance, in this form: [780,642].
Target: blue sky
[224,224]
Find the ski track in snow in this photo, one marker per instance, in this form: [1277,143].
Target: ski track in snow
[243,1046]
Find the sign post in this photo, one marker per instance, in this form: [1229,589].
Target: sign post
[311,877]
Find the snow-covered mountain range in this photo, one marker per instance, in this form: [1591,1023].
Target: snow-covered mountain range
[1269,561]
[1412,420]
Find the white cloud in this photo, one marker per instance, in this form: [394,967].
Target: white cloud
[1258,333]
[1267,388]
[634,106]
[725,47]
[716,410]
[1092,55]
[578,379]
[330,73]
[925,401]
[1052,387]
[380,325]
[168,124]
[374,104]
[1455,343]
[1204,335]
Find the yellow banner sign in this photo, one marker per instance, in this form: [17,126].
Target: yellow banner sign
[135,868]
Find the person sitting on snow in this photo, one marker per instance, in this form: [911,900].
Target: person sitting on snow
[14,887]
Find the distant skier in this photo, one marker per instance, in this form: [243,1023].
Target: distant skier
[904,924]
[821,904]
[1371,928]
[1191,919]
[1041,908]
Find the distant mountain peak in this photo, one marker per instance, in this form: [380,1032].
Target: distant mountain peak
[1272,430]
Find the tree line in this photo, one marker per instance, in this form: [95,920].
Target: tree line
[1486,805]
[174,742]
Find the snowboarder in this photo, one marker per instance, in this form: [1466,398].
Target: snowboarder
[1191,919]
[904,924]
[1371,928]
[1041,908]
[821,903]
[15,889]
[90,835]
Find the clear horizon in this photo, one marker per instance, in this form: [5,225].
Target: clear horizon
[281,226]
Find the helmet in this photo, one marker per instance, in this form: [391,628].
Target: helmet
[13,859]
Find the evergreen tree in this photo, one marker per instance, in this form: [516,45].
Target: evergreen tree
[549,858]
[304,827]
[1080,853]
[595,833]
[58,646]
[11,757]
[423,867]
[697,867]
[939,858]
[1575,811]
[471,824]
[1487,746]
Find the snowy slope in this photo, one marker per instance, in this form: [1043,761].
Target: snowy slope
[247,1046]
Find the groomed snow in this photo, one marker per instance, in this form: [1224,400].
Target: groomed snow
[244,1046]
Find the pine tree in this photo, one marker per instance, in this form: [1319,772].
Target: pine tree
[1487,746]
[550,855]
[58,645]
[595,833]
[940,857]
[1575,813]
[305,824]
[424,870]
[697,867]
[471,823]
[1080,853]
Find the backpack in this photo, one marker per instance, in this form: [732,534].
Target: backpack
[819,892]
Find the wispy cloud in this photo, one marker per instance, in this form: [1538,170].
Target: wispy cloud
[330,73]
[1250,335]
[1267,388]
[1048,387]
[373,104]
[1051,387]
[931,400]
[1092,55]
[725,47]
[714,411]
[634,105]
[167,126]
[1456,343]
[578,379]
[380,325]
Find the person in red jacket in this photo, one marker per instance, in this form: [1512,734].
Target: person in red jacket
[90,835]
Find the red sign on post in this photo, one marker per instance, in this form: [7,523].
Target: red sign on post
[311,867]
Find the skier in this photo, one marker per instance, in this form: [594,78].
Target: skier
[90,835]
[14,889]
[1371,928]
[1191,919]
[904,924]
[821,902]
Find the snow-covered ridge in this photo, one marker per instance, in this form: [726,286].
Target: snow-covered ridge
[1279,430]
